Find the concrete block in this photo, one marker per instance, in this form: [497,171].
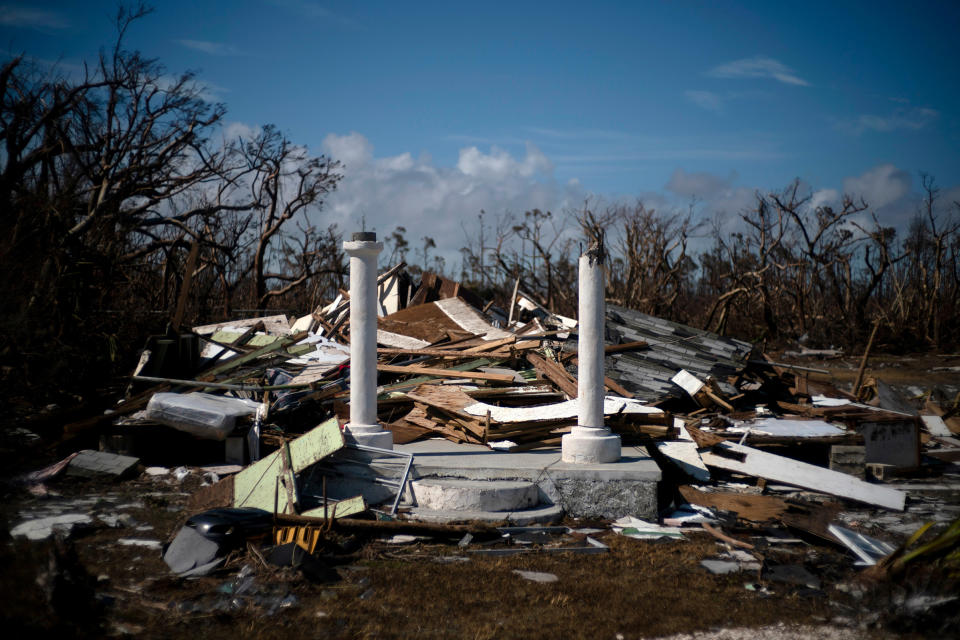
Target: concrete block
[625,487]
[474,495]
[543,514]
[849,459]
[590,498]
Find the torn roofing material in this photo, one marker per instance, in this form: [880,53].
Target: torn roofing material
[433,321]
[672,346]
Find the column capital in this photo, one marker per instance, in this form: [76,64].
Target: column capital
[361,248]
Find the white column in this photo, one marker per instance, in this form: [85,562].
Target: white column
[363,427]
[590,441]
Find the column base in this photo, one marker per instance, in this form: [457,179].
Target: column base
[590,445]
[368,435]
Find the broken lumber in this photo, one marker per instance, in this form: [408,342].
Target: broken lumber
[555,373]
[753,462]
[445,373]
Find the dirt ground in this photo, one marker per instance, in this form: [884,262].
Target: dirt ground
[92,584]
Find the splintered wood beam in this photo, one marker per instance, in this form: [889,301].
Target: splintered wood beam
[492,344]
[625,346]
[437,353]
[185,286]
[446,373]
[554,373]
[233,363]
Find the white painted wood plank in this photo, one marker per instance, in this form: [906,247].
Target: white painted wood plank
[688,382]
[789,428]
[684,455]
[469,320]
[793,472]
[397,341]
[936,426]
[557,411]
[275,325]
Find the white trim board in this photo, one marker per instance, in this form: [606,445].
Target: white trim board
[754,462]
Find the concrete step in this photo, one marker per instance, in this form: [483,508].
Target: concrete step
[542,514]
[457,494]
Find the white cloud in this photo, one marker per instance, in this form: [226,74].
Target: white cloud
[353,149]
[908,118]
[499,163]
[703,185]
[824,198]
[240,130]
[705,99]
[438,201]
[758,67]
[881,186]
[19,16]
[212,48]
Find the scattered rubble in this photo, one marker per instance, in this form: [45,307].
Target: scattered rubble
[771,461]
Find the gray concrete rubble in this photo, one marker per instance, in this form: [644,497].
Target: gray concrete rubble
[626,487]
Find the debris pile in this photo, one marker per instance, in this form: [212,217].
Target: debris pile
[769,458]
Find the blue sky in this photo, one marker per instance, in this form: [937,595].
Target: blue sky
[440,109]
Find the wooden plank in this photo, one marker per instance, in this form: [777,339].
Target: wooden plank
[554,373]
[233,363]
[277,325]
[340,509]
[684,455]
[493,344]
[569,409]
[399,342]
[614,386]
[952,422]
[447,398]
[414,382]
[720,535]
[438,353]
[718,400]
[256,485]
[748,507]
[404,431]
[753,462]
[469,319]
[625,346]
[445,373]
[418,416]
[185,286]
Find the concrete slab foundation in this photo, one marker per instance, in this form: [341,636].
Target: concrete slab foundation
[612,490]
[545,514]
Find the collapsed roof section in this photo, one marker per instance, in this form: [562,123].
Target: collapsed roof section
[672,346]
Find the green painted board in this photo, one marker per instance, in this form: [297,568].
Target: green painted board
[341,509]
[229,337]
[256,485]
